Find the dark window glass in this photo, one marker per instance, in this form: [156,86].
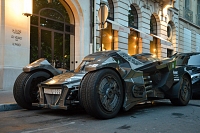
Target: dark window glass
[34,44]
[110,6]
[111,10]
[153,25]
[51,33]
[40,4]
[187,4]
[198,7]
[67,28]
[46,47]
[52,14]
[121,61]
[67,52]
[34,20]
[44,22]
[145,58]
[133,17]
[188,60]
[169,52]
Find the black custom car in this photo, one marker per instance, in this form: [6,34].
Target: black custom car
[191,63]
[102,84]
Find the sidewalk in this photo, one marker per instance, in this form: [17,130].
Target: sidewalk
[7,101]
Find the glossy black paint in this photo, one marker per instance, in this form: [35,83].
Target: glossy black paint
[142,76]
[190,62]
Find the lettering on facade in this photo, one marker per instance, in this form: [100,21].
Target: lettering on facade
[16,36]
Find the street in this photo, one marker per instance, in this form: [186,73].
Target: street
[159,117]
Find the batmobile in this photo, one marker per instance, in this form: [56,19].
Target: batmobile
[102,84]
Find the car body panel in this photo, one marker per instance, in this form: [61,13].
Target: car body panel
[190,63]
[141,81]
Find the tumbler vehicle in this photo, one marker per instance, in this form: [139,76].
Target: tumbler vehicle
[102,84]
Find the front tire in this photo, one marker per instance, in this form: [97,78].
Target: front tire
[184,93]
[101,93]
[25,88]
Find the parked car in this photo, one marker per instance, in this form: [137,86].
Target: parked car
[102,84]
[191,63]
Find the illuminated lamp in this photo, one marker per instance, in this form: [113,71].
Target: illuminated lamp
[28,4]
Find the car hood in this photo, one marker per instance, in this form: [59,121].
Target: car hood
[65,78]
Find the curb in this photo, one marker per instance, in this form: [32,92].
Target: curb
[9,107]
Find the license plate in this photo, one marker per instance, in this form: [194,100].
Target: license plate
[52,91]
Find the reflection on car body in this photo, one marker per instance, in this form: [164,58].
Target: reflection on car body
[102,84]
[191,63]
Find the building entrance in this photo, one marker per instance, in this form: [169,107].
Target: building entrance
[52,35]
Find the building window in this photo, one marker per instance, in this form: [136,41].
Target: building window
[169,32]
[169,52]
[153,25]
[198,7]
[133,43]
[198,13]
[51,33]
[154,49]
[133,17]
[187,4]
[110,6]
[107,38]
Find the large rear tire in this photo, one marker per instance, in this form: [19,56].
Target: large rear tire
[101,93]
[25,88]
[184,93]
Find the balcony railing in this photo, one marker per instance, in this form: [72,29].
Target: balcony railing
[188,14]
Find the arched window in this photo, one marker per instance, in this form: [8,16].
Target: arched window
[133,17]
[51,33]
[110,6]
[153,25]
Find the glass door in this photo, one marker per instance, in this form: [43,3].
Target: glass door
[55,47]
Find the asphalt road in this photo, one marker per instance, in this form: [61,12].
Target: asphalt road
[160,117]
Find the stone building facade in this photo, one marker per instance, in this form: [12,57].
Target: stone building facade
[189,25]
[67,30]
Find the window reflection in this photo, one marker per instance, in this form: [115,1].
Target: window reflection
[44,22]
[154,47]
[51,33]
[107,38]
[133,43]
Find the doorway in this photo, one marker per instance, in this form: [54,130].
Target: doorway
[52,35]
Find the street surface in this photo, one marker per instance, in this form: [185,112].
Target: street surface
[159,117]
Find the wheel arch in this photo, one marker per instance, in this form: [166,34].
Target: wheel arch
[173,93]
[44,70]
[114,69]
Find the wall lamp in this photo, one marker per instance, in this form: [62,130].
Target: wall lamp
[28,8]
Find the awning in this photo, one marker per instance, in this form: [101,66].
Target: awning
[142,34]
[118,27]
[162,40]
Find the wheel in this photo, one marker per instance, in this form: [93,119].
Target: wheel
[25,88]
[184,93]
[101,93]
